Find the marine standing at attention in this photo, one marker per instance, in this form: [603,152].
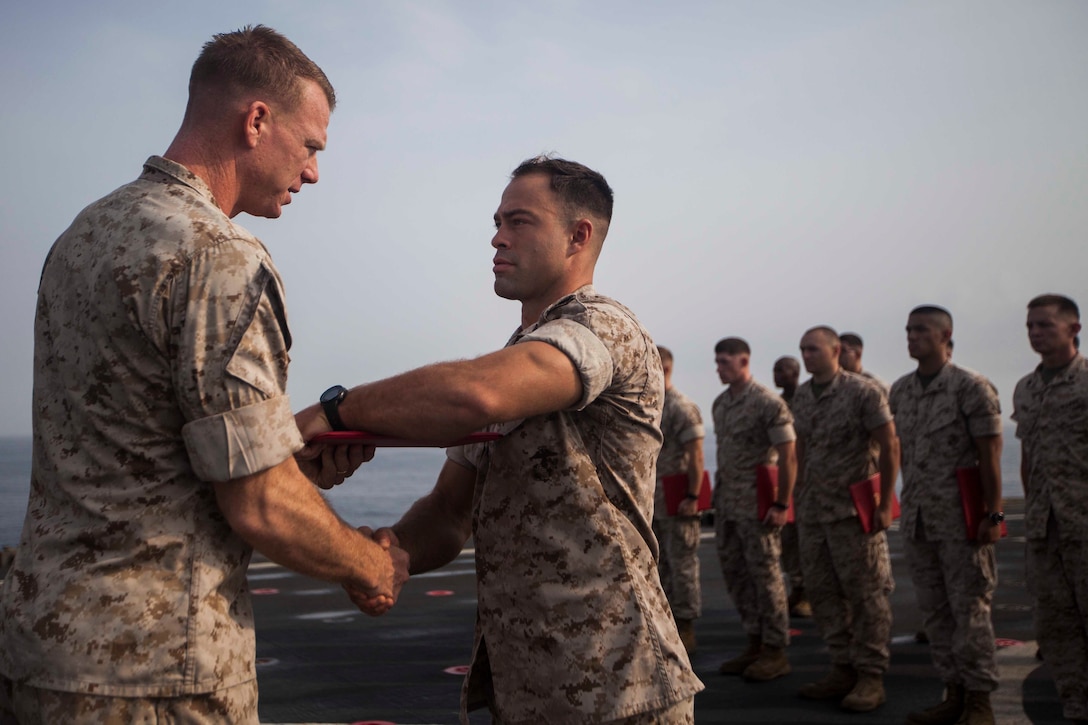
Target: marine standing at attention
[949,421]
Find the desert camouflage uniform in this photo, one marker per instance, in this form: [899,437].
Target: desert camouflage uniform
[847,572]
[954,579]
[572,624]
[160,366]
[791,550]
[1052,424]
[747,429]
[678,536]
[876,379]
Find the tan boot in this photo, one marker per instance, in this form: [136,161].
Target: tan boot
[799,604]
[976,709]
[772,663]
[867,695]
[837,683]
[946,712]
[738,664]
[686,628]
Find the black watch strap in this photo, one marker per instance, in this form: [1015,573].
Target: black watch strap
[692,496]
[997,517]
[330,404]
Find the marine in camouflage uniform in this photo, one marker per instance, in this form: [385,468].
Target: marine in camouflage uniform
[678,535]
[572,623]
[844,428]
[1051,414]
[752,426]
[949,418]
[161,353]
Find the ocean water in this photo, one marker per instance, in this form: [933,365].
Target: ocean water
[378,493]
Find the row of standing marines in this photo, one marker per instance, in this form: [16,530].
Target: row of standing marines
[840,428]
[165,449]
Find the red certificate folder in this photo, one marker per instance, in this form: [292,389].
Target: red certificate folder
[676,488]
[340,437]
[767,492]
[971,497]
[866,495]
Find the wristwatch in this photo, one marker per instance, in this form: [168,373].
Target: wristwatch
[997,517]
[692,496]
[330,403]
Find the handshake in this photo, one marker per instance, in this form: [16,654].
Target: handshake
[390,574]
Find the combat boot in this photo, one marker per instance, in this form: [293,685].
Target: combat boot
[686,628]
[976,709]
[772,663]
[837,683]
[798,604]
[946,712]
[868,693]
[738,664]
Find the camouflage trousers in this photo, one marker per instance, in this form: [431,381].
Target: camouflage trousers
[1058,580]
[749,555]
[954,582]
[791,557]
[848,577]
[678,564]
[27,705]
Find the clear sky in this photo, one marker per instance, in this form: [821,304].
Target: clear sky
[777,165]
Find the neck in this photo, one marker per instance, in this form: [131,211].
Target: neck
[737,386]
[1060,359]
[208,164]
[531,310]
[825,377]
[932,364]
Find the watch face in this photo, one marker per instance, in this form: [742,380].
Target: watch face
[333,393]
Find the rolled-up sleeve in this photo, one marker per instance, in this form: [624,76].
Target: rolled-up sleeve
[242,441]
[588,354]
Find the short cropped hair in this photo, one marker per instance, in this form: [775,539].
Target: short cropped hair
[828,332]
[732,346]
[256,58]
[581,190]
[935,310]
[665,353]
[1063,303]
[852,339]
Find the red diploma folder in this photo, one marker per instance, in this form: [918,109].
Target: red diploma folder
[971,497]
[340,437]
[676,488]
[767,492]
[866,495]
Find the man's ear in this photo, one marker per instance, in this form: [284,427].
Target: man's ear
[258,117]
[581,234]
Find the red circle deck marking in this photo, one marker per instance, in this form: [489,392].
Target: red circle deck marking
[456,670]
[439,593]
[796,633]
[261,592]
[1006,642]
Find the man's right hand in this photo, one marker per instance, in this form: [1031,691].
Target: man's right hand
[379,600]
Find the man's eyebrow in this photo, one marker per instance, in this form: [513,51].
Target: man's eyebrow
[507,213]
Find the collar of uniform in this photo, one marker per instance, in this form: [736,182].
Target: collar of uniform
[579,294]
[180,174]
[939,382]
[1078,365]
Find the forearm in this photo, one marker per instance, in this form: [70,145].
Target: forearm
[989,468]
[889,469]
[434,530]
[695,465]
[787,471]
[282,515]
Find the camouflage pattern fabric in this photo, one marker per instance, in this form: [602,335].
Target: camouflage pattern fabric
[160,366]
[836,432]
[954,579]
[937,425]
[31,706]
[847,573]
[572,622]
[1052,424]
[747,428]
[678,538]
[749,554]
[848,577]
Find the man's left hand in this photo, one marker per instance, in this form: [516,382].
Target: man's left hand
[329,465]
